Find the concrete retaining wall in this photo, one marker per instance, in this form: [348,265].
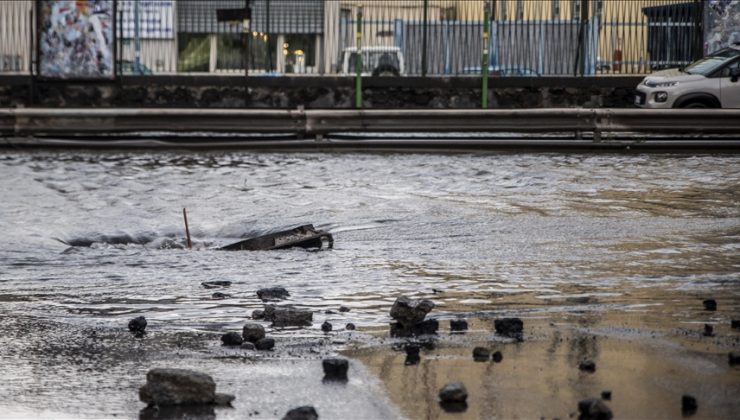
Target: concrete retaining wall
[319,92]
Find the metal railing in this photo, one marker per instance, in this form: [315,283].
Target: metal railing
[405,37]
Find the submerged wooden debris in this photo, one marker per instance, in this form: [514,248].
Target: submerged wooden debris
[305,236]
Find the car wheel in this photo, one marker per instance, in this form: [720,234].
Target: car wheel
[695,105]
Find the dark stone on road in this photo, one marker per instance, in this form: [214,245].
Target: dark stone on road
[497,357]
[253,332]
[231,339]
[302,413]
[258,314]
[453,392]
[343,309]
[219,295]
[177,386]
[326,327]
[272,293]
[288,316]
[458,325]
[594,409]
[335,369]
[606,395]
[350,326]
[137,326]
[412,354]
[481,354]
[215,284]
[710,305]
[265,344]
[708,330]
[734,358]
[688,405]
[587,366]
[735,323]
[410,312]
[509,327]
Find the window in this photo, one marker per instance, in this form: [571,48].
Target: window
[193,52]
[448,13]
[299,52]
[575,9]
[230,52]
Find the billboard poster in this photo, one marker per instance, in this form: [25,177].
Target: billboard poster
[156,18]
[76,39]
[721,24]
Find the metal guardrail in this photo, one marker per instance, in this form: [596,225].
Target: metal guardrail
[25,122]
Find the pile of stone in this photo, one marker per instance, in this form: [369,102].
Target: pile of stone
[409,316]
[252,337]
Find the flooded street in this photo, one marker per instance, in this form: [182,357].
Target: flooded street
[603,256]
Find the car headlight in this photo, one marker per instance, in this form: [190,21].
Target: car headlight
[660,84]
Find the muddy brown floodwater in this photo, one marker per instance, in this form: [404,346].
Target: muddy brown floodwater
[604,257]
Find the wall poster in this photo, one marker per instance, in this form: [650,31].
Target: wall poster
[76,39]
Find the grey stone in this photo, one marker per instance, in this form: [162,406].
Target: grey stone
[302,413]
[453,392]
[410,312]
[290,317]
[265,344]
[272,293]
[335,369]
[587,366]
[326,327]
[350,326]
[710,304]
[223,399]
[594,409]
[258,314]
[177,386]
[344,309]
[219,295]
[458,325]
[248,346]
[253,332]
[137,325]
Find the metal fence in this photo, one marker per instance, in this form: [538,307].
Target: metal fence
[403,37]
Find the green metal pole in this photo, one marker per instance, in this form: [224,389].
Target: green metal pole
[484,61]
[358,62]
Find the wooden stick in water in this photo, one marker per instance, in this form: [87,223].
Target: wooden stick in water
[187,230]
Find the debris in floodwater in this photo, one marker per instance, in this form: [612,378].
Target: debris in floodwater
[137,326]
[305,236]
[272,293]
[326,327]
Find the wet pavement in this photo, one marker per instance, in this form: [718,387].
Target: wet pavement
[612,254]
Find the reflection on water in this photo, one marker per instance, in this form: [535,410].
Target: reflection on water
[93,239]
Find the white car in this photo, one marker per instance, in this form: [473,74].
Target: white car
[376,61]
[712,82]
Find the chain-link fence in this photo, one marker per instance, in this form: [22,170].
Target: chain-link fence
[335,37]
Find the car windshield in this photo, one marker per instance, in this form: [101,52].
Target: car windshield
[709,64]
[372,59]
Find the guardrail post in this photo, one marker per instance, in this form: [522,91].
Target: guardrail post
[358,61]
[484,60]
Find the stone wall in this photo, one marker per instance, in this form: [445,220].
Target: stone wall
[319,92]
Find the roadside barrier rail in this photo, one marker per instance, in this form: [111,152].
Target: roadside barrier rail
[35,122]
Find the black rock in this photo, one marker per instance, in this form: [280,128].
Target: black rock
[427,327]
[329,312]
[509,327]
[253,332]
[708,330]
[272,293]
[137,324]
[215,284]
[350,326]
[710,305]
[497,357]
[219,295]
[594,409]
[587,366]
[412,354]
[688,405]
[458,325]
[735,323]
[335,369]
[606,395]
[481,354]
[231,339]
[258,314]
[453,392]
[454,407]
[343,309]
[265,344]
[734,359]
[410,312]
[302,413]
[326,327]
